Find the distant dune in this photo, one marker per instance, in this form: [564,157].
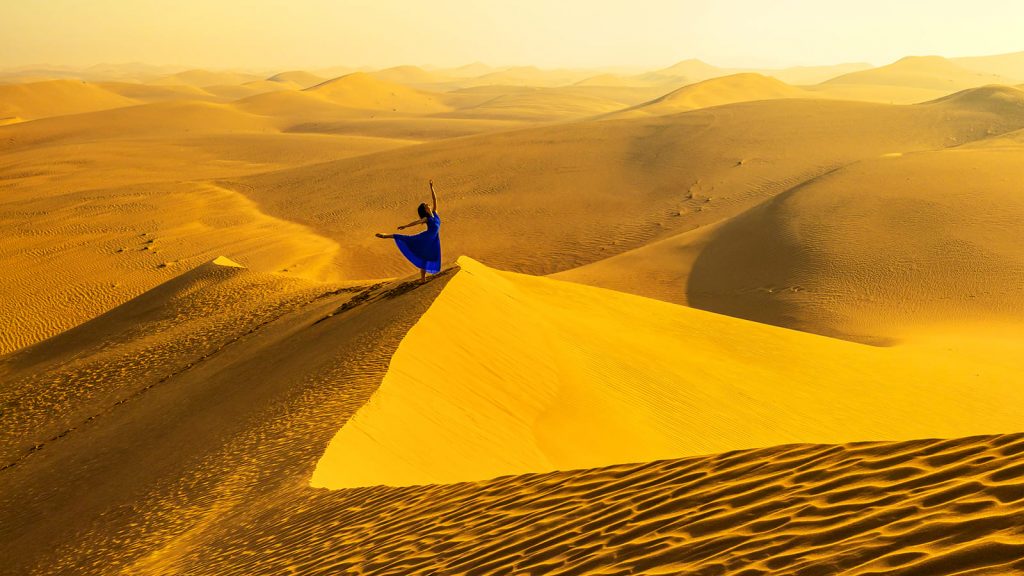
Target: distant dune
[910,80]
[549,199]
[684,72]
[925,72]
[409,75]
[801,75]
[539,104]
[299,78]
[716,92]
[363,91]
[202,78]
[880,249]
[147,93]
[1004,65]
[56,98]
[526,76]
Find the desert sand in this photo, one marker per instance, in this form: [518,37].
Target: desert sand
[691,319]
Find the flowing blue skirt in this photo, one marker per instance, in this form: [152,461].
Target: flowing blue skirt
[423,249]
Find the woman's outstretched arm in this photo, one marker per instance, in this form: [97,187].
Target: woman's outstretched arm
[433,197]
[413,223]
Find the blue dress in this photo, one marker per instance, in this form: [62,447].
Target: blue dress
[423,249]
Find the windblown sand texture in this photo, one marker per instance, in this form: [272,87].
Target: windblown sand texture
[692,320]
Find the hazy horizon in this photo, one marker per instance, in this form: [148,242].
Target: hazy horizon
[313,34]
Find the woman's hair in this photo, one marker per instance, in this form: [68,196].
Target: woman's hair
[423,210]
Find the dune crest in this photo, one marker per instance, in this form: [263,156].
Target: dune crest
[744,87]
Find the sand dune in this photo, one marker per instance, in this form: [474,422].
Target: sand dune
[70,271]
[924,72]
[355,96]
[246,89]
[800,75]
[879,250]
[202,78]
[541,104]
[526,76]
[403,128]
[910,80]
[549,199]
[148,93]
[100,207]
[159,326]
[1005,65]
[581,377]
[360,90]
[56,97]
[471,70]
[681,73]
[171,466]
[158,119]
[151,402]
[204,370]
[716,92]
[606,80]
[299,78]
[409,75]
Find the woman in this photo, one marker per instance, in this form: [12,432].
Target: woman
[423,249]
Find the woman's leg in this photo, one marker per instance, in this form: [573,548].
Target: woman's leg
[423,275]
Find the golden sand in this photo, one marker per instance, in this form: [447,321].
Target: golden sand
[207,366]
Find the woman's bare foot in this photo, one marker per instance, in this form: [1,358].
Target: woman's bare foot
[379,235]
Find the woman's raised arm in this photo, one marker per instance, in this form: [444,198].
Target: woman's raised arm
[433,197]
[413,223]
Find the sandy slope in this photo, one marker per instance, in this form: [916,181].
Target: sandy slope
[56,97]
[716,92]
[125,434]
[412,76]
[198,413]
[912,508]
[201,78]
[878,250]
[162,413]
[926,72]
[1005,65]
[801,75]
[100,207]
[353,95]
[541,105]
[145,93]
[548,199]
[579,377]
[299,78]
[908,81]
[363,91]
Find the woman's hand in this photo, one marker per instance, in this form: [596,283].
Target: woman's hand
[401,227]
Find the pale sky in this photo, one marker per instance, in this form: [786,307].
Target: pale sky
[284,34]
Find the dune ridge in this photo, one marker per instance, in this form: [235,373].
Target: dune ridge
[746,87]
[157,420]
[56,98]
[581,377]
[234,498]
